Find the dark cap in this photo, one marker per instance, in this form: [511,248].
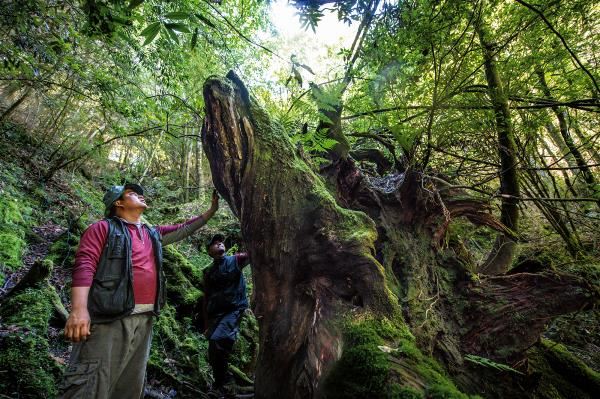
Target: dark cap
[115,192]
[215,238]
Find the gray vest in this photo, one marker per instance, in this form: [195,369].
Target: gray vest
[111,294]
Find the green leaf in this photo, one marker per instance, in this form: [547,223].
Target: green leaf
[134,3]
[307,68]
[327,144]
[178,27]
[205,20]
[404,137]
[297,75]
[310,17]
[325,118]
[483,361]
[194,41]
[178,15]
[172,34]
[150,32]
[150,28]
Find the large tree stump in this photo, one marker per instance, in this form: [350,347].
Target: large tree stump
[312,261]
[318,258]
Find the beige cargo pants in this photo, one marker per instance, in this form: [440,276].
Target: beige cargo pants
[111,363]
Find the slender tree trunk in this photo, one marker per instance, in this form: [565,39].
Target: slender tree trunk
[585,141]
[502,253]
[198,164]
[555,160]
[186,167]
[15,105]
[561,115]
[558,141]
[150,159]
[125,161]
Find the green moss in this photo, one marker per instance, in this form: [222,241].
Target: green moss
[12,233]
[62,251]
[26,369]
[12,245]
[406,392]
[444,391]
[178,352]
[246,347]
[15,218]
[89,195]
[182,278]
[30,308]
[10,211]
[570,366]
[364,370]
[557,373]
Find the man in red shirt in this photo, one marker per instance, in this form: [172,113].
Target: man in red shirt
[118,286]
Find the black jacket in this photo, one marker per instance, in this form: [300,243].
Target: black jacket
[111,294]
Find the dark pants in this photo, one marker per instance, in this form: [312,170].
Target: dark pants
[111,363]
[218,358]
[222,333]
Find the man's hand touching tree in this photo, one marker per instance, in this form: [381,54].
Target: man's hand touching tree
[215,200]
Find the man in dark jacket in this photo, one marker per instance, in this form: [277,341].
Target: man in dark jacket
[118,286]
[225,302]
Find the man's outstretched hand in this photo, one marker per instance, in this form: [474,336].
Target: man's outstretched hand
[215,200]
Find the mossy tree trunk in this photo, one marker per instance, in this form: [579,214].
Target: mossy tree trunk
[374,244]
[502,253]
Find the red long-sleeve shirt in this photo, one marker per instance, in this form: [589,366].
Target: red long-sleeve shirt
[142,257]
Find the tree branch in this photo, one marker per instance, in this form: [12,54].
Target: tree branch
[562,39]
[236,30]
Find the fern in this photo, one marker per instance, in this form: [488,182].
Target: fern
[483,361]
[327,100]
[315,142]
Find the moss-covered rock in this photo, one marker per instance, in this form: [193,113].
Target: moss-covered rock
[183,278]
[179,354]
[245,350]
[28,370]
[14,223]
[556,373]
[381,360]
